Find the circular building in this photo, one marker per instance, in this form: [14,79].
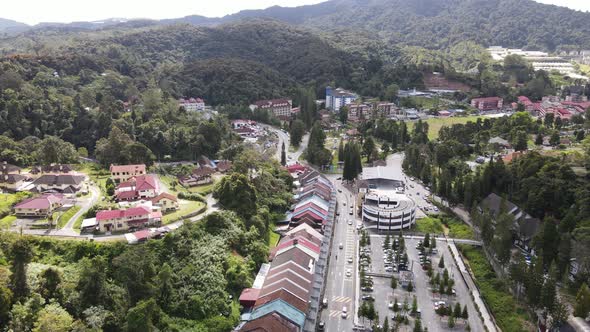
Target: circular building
[388,210]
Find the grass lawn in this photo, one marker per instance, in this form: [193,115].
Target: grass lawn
[8,200]
[67,215]
[169,180]
[444,224]
[203,190]
[96,174]
[429,225]
[78,222]
[509,315]
[434,124]
[274,239]
[7,221]
[185,208]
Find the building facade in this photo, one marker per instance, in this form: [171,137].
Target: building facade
[280,108]
[488,103]
[192,104]
[121,173]
[337,98]
[123,220]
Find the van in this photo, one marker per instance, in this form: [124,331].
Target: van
[344,312]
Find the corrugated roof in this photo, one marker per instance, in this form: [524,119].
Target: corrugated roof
[285,309]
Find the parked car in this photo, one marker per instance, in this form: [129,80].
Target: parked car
[368,298]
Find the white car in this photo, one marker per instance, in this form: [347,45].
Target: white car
[350,222]
[349,273]
[349,260]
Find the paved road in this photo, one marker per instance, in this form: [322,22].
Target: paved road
[341,291]
[68,229]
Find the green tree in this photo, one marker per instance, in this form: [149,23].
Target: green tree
[297,131]
[368,147]
[144,317]
[343,114]
[22,253]
[539,139]
[235,192]
[554,139]
[414,305]
[417,326]
[465,313]
[55,150]
[393,283]
[50,283]
[582,306]
[410,286]
[53,318]
[426,241]
[451,321]
[385,324]
[91,286]
[283,155]
[457,311]
[5,303]
[520,141]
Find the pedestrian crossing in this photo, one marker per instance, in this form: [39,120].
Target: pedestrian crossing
[341,299]
[335,313]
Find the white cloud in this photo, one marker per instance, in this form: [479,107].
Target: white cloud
[35,11]
[583,5]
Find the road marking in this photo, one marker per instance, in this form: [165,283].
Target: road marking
[341,299]
[334,313]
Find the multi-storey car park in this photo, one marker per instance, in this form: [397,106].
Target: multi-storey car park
[388,210]
[385,207]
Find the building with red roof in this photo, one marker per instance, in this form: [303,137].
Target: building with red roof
[280,108]
[38,207]
[166,202]
[488,103]
[123,220]
[139,187]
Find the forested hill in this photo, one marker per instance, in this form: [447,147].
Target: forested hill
[439,23]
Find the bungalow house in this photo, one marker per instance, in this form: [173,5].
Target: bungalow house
[200,176]
[52,169]
[166,202]
[122,173]
[223,166]
[143,186]
[499,141]
[11,181]
[63,183]
[123,220]
[38,207]
[524,228]
[6,168]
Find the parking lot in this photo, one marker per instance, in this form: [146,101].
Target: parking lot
[427,296]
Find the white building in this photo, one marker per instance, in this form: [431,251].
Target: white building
[337,98]
[192,104]
[385,206]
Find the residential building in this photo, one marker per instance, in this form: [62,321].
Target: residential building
[166,202]
[337,98]
[52,169]
[122,173]
[358,112]
[528,105]
[192,104]
[488,103]
[138,187]
[38,207]
[280,108]
[525,227]
[6,168]
[123,220]
[11,181]
[62,183]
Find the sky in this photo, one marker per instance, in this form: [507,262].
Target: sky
[35,11]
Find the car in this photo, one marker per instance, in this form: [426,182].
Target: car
[435,209]
[341,245]
[349,222]
[367,289]
[339,190]
[349,260]
[343,203]
[368,298]
[359,227]
[325,302]
[321,326]
[411,179]
[344,313]
[338,179]
[439,304]
[434,250]
[389,269]
[349,273]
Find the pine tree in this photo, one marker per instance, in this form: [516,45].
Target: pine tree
[457,310]
[451,321]
[341,151]
[539,139]
[465,314]
[441,263]
[393,283]
[385,325]
[410,286]
[582,306]
[283,155]
[417,326]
